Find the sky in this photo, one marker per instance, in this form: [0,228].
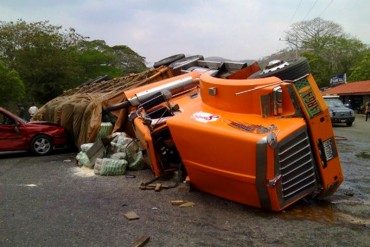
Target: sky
[155,29]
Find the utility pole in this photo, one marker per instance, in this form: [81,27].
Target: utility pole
[295,44]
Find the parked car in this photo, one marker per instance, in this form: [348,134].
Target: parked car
[37,137]
[339,113]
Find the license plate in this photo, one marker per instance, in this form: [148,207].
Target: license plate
[329,149]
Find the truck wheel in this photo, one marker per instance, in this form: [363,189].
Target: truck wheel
[186,61]
[168,60]
[349,124]
[294,70]
[41,145]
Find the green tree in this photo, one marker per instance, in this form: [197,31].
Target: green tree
[361,71]
[97,58]
[50,59]
[313,34]
[330,51]
[128,60]
[42,54]
[11,86]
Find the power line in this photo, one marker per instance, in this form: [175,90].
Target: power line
[296,10]
[313,5]
[327,6]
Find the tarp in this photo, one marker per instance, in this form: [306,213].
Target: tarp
[80,110]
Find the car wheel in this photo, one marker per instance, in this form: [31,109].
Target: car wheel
[294,70]
[186,61]
[41,145]
[349,124]
[168,60]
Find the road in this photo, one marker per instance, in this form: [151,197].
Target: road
[48,201]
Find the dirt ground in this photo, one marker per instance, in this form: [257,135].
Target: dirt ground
[48,201]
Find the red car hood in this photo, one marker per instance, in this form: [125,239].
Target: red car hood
[43,123]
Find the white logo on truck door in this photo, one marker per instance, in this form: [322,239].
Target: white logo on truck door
[205,117]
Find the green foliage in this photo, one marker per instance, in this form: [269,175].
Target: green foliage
[11,86]
[361,70]
[329,50]
[128,60]
[50,59]
[97,58]
[320,68]
[41,54]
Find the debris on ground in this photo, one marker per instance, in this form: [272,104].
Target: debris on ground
[111,154]
[187,205]
[177,202]
[182,203]
[131,215]
[141,241]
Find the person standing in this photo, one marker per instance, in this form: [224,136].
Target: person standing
[32,110]
[21,111]
[367,110]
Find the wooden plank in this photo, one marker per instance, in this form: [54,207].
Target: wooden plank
[131,215]
[141,241]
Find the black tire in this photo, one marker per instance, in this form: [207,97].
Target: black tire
[186,61]
[296,69]
[168,60]
[41,145]
[349,124]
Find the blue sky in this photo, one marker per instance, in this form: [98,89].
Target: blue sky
[234,29]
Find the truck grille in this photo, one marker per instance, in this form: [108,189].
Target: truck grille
[297,166]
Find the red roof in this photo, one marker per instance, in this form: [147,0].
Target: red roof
[351,88]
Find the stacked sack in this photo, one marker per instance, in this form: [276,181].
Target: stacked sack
[123,153]
[82,158]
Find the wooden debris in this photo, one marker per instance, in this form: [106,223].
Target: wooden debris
[131,215]
[141,241]
[177,202]
[187,205]
[157,187]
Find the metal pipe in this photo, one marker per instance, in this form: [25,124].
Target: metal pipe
[258,88]
[139,97]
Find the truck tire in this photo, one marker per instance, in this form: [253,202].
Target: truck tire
[296,69]
[182,63]
[168,60]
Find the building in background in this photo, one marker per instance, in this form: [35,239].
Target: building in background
[355,94]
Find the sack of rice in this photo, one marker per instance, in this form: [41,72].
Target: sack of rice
[86,146]
[118,156]
[82,159]
[113,167]
[137,161]
[98,165]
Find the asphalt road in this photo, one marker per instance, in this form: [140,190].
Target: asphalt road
[48,201]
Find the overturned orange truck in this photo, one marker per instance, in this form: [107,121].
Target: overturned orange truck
[260,138]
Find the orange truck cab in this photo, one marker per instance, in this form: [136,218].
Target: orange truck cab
[264,140]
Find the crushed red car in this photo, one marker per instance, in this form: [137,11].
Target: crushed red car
[37,137]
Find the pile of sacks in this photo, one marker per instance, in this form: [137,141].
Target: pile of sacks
[121,154]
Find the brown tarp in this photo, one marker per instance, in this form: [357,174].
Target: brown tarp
[79,110]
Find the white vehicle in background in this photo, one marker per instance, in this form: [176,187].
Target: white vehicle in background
[339,113]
